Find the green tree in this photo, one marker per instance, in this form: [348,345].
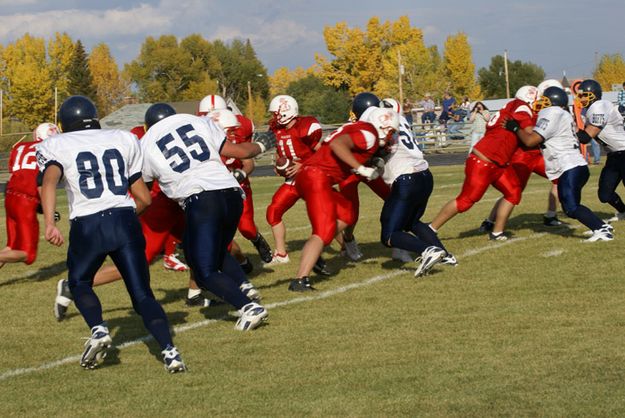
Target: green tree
[80,78]
[493,81]
[317,99]
[109,85]
[610,70]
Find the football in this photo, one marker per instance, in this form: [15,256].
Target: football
[281,164]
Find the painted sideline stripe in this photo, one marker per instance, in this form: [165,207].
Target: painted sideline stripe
[317,296]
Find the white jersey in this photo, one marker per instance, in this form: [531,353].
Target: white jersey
[98,167]
[182,153]
[405,156]
[606,116]
[561,146]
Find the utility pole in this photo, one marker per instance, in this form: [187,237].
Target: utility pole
[56,105]
[1,110]
[505,69]
[400,67]
[249,101]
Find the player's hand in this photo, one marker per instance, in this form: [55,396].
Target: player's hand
[378,163]
[369,173]
[293,170]
[265,141]
[239,175]
[511,125]
[54,236]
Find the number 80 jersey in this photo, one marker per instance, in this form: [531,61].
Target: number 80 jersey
[182,153]
[98,166]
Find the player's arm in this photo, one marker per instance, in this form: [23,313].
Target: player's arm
[241,151]
[51,177]
[141,194]
[528,137]
[342,147]
[589,132]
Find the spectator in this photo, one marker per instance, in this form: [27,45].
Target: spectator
[428,105]
[621,100]
[407,108]
[448,105]
[466,105]
[479,118]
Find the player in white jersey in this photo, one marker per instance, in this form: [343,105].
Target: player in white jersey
[183,152]
[411,181]
[554,132]
[98,168]
[604,123]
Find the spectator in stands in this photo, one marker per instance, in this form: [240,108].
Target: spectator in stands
[408,111]
[447,111]
[621,100]
[466,105]
[428,106]
[479,118]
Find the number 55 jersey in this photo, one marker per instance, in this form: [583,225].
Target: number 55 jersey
[98,166]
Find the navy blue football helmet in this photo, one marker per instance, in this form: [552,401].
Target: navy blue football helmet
[588,92]
[552,96]
[78,113]
[361,102]
[157,112]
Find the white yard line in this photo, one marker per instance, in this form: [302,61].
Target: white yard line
[302,299]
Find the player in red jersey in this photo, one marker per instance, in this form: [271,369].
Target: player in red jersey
[488,161]
[22,200]
[241,170]
[297,138]
[344,152]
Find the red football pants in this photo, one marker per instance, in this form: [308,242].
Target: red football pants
[22,224]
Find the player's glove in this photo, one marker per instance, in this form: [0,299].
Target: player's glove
[512,125]
[57,216]
[266,141]
[239,174]
[378,163]
[369,173]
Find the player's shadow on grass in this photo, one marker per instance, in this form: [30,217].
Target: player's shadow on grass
[42,274]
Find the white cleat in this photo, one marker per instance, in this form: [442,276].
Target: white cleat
[172,360]
[95,347]
[429,257]
[250,291]
[252,316]
[618,216]
[605,233]
[63,299]
[278,259]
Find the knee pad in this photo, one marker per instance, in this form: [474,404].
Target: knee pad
[463,203]
[326,234]
[273,216]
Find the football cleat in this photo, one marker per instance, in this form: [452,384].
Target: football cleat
[200,301]
[402,255]
[618,216]
[63,299]
[247,266]
[172,360]
[487,226]
[605,233]
[450,260]
[429,257]
[321,267]
[95,347]
[352,250]
[171,262]
[250,291]
[278,259]
[551,221]
[251,316]
[499,236]
[300,285]
[264,250]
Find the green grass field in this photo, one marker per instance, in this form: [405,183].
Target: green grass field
[530,327]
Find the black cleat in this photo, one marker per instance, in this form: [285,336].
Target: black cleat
[247,266]
[300,285]
[487,226]
[321,268]
[200,301]
[551,221]
[264,250]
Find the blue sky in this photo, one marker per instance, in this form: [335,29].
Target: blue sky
[557,35]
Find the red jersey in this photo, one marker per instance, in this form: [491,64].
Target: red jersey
[498,143]
[23,169]
[243,133]
[298,142]
[365,139]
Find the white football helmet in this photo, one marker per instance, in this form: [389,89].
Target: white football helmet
[44,131]
[391,103]
[548,83]
[210,103]
[385,121]
[284,108]
[224,118]
[527,93]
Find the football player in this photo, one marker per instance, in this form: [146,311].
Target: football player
[98,168]
[604,122]
[21,200]
[411,181]
[342,153]
[555,134]
[183,152]
[487,163]
[241,170]
[524,162]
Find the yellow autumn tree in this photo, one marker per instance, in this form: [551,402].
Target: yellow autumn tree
[459,67]
[281,78]
[29,96]
[610,70]
[107,80]
[60,53]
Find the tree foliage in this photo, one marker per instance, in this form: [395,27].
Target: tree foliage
[493,80]
[610,70]
[459,68]
[80,78]
[322,101]
[110,88]
[60,52]
[281,78]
